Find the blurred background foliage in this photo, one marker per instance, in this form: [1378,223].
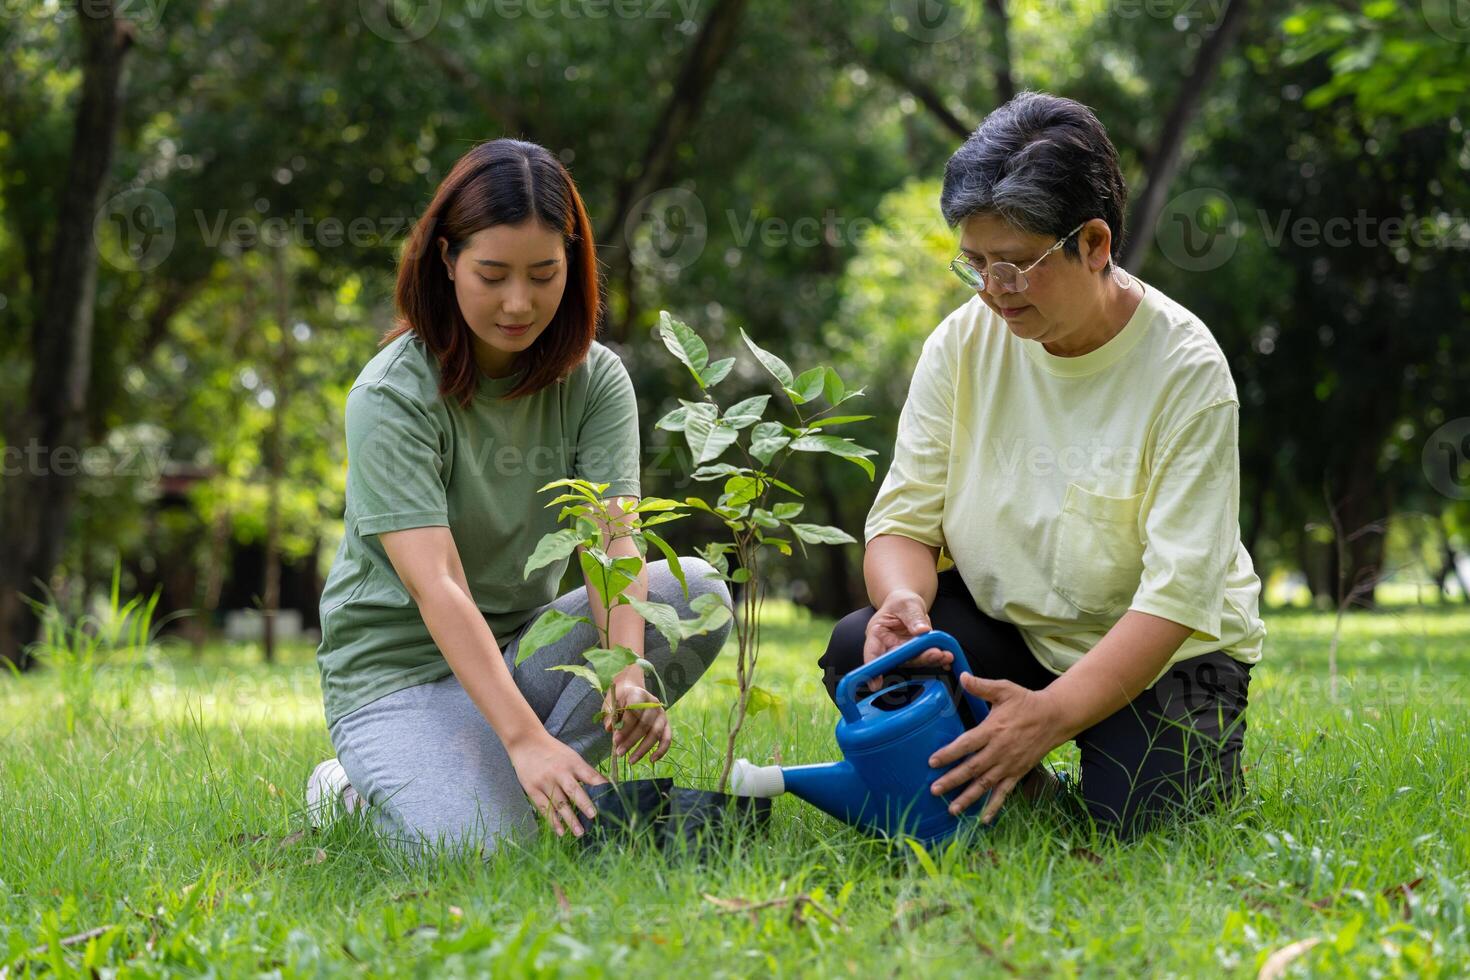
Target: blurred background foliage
[748,164]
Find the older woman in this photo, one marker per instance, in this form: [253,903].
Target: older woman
[1069,442]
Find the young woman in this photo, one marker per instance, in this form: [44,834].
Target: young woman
[490,387]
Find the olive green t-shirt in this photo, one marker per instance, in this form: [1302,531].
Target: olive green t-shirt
[415,459]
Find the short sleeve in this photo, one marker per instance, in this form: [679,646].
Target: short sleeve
[910,501]
[607,448]
[394,463]
[1190,521]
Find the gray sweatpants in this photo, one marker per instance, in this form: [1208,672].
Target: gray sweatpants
[430,766]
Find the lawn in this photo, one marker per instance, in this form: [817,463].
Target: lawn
[159,805]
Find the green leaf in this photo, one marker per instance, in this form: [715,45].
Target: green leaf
[769,361]
[662,617]
[766,440]
[837,446]
[787,510]
[711,613]
[669,556]
[787,487]
[661,519]
[684,344]
[647,504]
[718,470]
[822,534]
[836,420]
[761,517]
[740,575]
[586,673]
[673,421]
[609,663]
[629,565]
[553,547]
[747,412]
[548,628]
[717,371]
[808,385]
[707,438]
[741,490]
[586,489]
[925,861]
[609,577]
[759,699]
[832,387]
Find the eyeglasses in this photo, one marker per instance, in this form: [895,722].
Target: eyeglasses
[1007,276]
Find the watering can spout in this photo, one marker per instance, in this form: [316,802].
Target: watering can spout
[834,788]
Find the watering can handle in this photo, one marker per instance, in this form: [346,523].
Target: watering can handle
[848,686]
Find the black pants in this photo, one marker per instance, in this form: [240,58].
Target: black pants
[1174,749]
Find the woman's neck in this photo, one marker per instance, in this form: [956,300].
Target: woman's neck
[1115,308]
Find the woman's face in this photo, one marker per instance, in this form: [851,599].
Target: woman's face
[509,281]
[1060,290]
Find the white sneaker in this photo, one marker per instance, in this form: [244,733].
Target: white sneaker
[329,795]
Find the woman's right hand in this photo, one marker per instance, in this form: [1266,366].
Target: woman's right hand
[901,618]
[552,774]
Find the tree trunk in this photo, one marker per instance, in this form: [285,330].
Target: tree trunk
[276,456]
[37,504]
[1164,163]
[1000,45]
[713,44]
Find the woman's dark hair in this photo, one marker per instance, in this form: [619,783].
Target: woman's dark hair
[502,182]
[1041,163]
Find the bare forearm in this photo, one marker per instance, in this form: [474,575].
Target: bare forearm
[893,562]
[462,635]
[1114,672]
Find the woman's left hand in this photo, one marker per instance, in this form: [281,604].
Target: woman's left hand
[643,730]
[1017,734]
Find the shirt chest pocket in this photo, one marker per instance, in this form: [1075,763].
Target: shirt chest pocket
[1097,558]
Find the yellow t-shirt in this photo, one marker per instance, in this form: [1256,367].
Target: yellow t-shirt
[1068,490]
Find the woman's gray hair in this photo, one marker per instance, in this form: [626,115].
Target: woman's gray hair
[1041,163]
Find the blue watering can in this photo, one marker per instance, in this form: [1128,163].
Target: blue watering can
[882,784]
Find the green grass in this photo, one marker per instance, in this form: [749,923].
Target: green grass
[171,812]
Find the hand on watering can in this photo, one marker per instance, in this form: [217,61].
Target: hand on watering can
[901,618]
[1002,749]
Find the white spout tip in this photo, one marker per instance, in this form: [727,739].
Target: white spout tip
[760,781]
